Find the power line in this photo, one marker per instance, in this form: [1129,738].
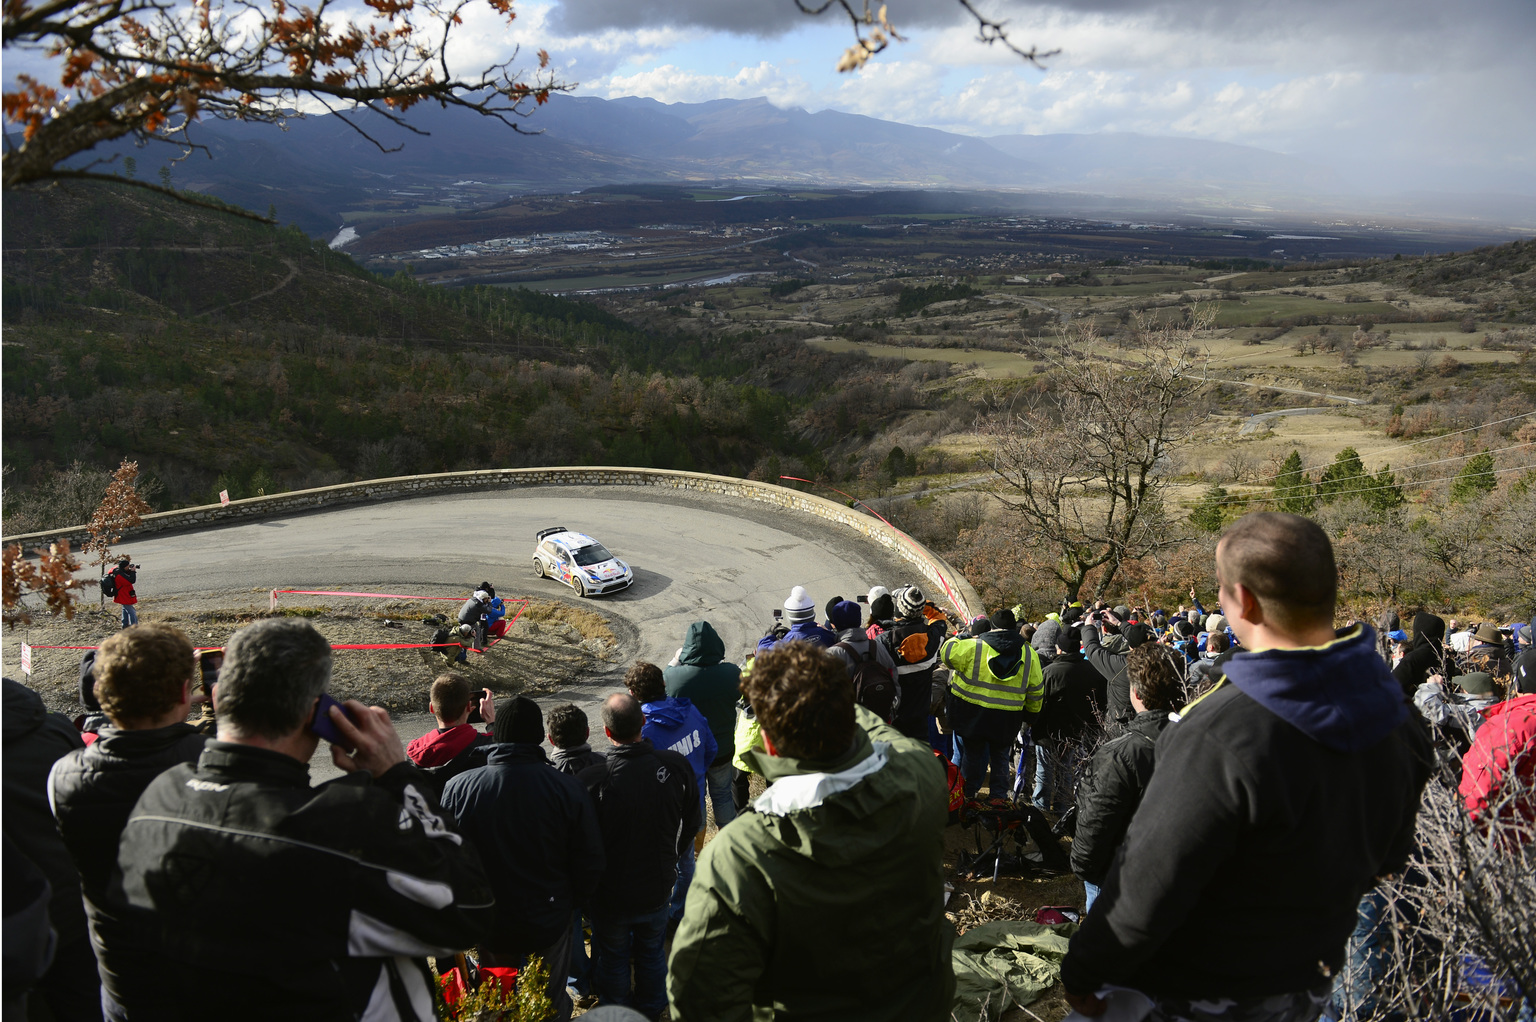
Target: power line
[1367,489]
[1426,440]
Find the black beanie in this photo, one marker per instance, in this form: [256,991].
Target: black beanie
[518,720]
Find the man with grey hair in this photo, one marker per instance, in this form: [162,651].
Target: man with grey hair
[306,902]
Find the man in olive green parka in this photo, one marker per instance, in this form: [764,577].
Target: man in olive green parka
[827,903]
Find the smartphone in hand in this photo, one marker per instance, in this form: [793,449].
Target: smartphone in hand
[322,725]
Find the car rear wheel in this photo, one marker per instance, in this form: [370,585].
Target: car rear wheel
[538,567]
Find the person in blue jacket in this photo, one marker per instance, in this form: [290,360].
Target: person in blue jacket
[678,725]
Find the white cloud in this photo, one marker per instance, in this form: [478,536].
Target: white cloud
[671,84]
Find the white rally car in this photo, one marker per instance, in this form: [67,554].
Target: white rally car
[579,561]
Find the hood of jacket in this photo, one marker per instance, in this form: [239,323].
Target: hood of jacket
[146,741]
[1046,636]
[513,753]
[24,710]
[1341,695]
[1428,630]
[702,646]
[846,811]
[667,713]
[1008,650]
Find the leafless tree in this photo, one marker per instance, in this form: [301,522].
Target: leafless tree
[1083,459]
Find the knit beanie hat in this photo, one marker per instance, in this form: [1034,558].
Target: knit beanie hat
[875,593]
[1123,612]
[1004,620]
[845,614]
[799,606]
[519,719]
[909,600]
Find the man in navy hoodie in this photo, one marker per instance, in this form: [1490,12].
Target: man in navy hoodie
[674,724]
[1277,800]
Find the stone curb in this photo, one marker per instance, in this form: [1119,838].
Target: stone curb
[944,580]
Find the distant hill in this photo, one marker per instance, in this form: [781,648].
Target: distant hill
[318,167]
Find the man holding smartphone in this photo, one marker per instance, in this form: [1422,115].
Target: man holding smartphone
[310,902]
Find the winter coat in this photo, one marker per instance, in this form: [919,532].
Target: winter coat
[442,744]
[863,648]
[536,831]
[471,611]
[574,760]
[1073,698]
[648,809]
[705,678]
[303,903]
[1111,790]
[1278,799]
[92,791]
[677,724]
[1524,674]
[1460,711]
[1005,661]
[913,642]
[1117,691]
[124,593]
[1426,656]
[827,903]
[34,740]
[800,631]
[1508,735]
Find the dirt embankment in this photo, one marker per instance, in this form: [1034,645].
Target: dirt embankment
[551,645]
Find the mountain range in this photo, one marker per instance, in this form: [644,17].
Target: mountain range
[317,166]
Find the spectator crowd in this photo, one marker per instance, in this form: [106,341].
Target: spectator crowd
[762,839]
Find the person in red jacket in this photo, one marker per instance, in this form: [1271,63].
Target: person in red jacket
[125,575]
[1498,772]
[451,703]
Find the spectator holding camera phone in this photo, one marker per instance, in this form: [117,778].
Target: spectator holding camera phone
[453,704]
[300,901]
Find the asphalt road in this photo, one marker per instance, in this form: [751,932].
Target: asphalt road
[727,561]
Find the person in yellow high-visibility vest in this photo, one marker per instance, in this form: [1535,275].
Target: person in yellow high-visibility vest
[995,685]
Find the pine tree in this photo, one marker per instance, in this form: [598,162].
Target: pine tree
[1210,514]
[1344,478]
[1292,492]
[1384,494]
[1475,478]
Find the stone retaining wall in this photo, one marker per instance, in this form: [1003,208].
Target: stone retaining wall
[943,581]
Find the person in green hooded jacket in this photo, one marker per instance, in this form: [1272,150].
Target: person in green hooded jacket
[826,904]
[700,674]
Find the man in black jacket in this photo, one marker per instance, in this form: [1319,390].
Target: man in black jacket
[34,740]
[537,834]
[144,679]
[648,809]
[1074,702]
[1278,799]
[298,902]
[913,642]
[1117,775]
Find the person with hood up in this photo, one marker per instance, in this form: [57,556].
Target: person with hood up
[537,834]
[913,641]
[674,723]
[1277,801]
[701,674]
[1426,656]
[995,683]
[828,901]
[855,647]
[800,612]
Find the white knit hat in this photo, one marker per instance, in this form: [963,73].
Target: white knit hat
[799,606]
[877,592]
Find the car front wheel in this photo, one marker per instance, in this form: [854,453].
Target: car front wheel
[538,567]
[581,588]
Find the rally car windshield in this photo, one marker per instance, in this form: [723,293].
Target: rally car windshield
[594,554]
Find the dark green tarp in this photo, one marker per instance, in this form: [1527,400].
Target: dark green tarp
[1003,963]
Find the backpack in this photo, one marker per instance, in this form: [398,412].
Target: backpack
[109,584]
[874,686]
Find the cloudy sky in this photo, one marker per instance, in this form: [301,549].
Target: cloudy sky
[1403,94]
